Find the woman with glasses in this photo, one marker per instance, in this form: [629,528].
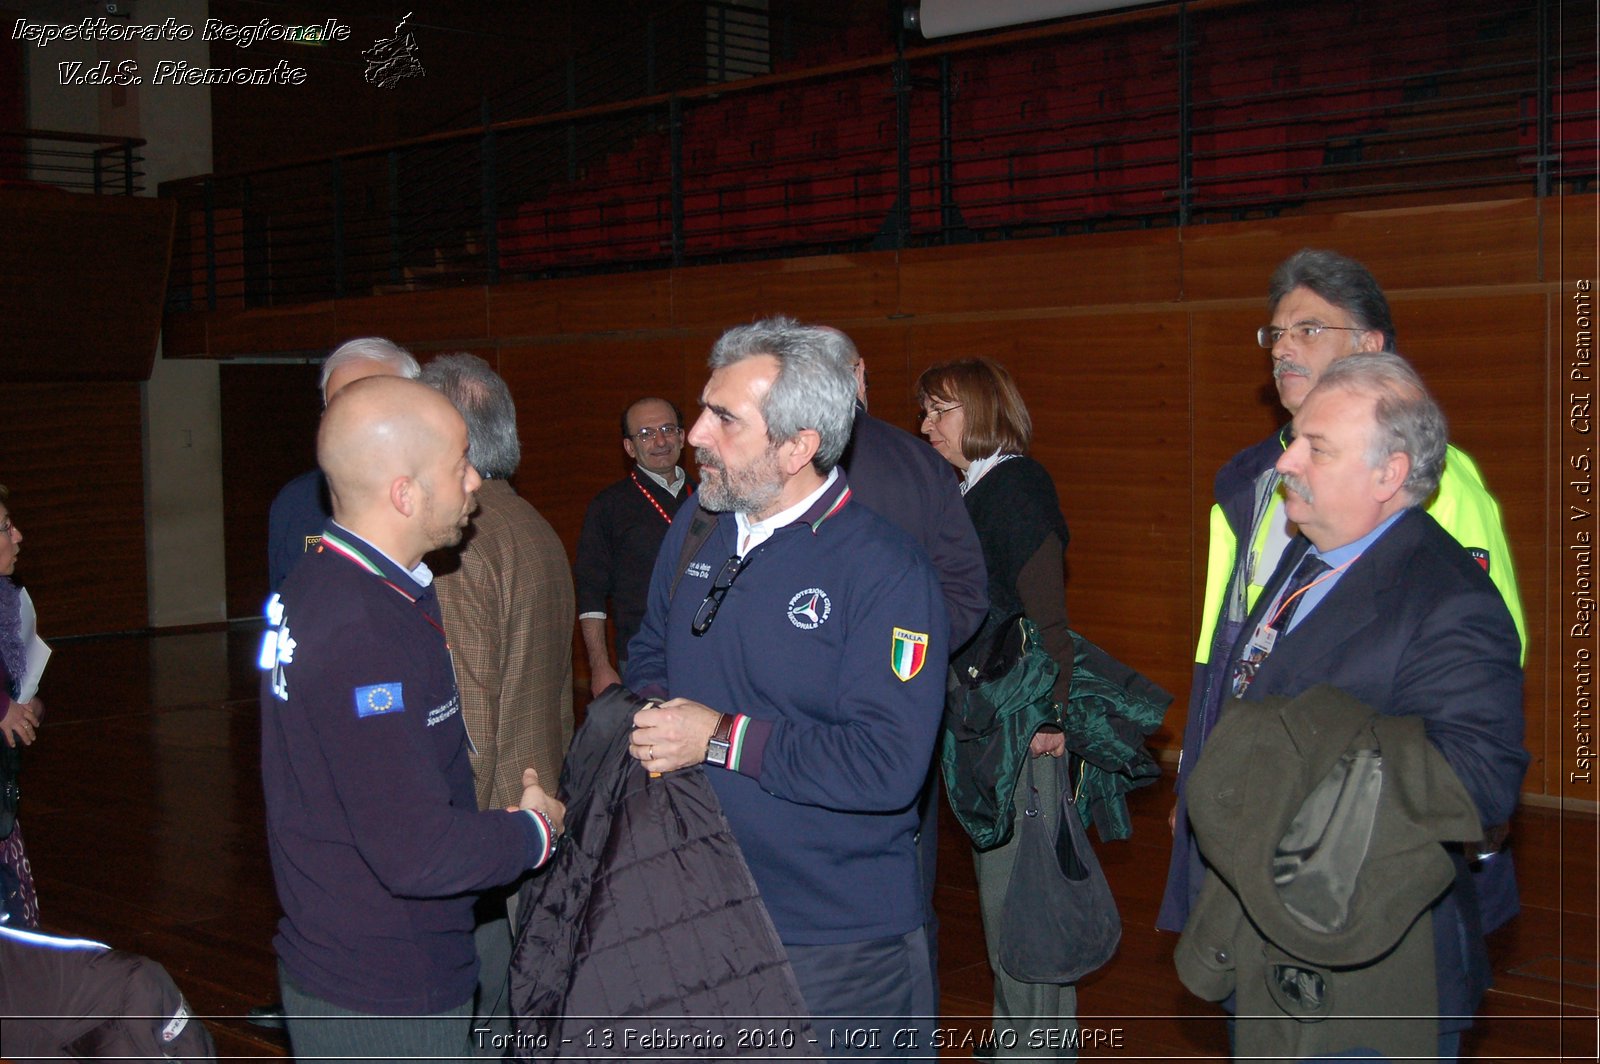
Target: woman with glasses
[19,725]
[975,418]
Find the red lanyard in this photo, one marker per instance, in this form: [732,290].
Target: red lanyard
[652,499]
[1330,574]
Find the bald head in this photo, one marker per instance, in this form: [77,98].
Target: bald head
[395,455]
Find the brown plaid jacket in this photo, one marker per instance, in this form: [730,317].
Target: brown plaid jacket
[509,610]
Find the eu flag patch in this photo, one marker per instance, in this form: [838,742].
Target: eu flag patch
[380,698]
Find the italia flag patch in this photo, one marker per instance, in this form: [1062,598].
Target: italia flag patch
[907,652]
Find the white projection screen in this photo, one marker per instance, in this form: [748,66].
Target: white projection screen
[943,18]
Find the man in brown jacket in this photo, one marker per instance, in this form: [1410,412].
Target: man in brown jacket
[508,605]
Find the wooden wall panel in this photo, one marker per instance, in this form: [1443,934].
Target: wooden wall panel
[833,286]
[623,302]
[1570,227]
[1136,266]
[71,455]
[447,316]
[529,308]
[1494,242]
[184,335]
[82,283]
[310,329]
[1235,402]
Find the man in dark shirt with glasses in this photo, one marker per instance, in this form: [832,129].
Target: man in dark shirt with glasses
[623,530]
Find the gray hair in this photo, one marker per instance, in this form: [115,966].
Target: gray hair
[814,388]
[368,349]
[1340,280]
[485,404]
[836,345]
[1406,418]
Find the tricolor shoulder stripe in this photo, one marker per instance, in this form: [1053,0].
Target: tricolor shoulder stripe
[838,504]
[339,546]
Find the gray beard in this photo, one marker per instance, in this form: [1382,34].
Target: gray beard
[750,491]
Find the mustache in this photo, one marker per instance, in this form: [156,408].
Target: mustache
[1284,366]
[705,459]
[1298,486]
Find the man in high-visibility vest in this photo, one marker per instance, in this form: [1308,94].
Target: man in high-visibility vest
[1323,307]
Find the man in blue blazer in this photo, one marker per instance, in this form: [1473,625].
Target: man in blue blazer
[1374,598]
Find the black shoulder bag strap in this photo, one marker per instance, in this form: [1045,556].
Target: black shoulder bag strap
[701,525]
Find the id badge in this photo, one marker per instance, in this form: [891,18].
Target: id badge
[1264,640]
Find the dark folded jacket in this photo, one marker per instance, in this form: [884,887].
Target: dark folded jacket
[991,715]
[645,935]
[1322,822]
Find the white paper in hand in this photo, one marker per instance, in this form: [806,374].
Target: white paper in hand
[38,651]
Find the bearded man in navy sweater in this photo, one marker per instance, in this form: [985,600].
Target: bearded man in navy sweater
[802,655]
[376,839]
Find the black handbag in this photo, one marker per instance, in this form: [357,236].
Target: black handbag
[1060,921]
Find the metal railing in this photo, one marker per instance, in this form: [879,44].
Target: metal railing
[674,46]
[1168,118]
[81,162]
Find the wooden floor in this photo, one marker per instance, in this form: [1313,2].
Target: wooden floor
[143,815]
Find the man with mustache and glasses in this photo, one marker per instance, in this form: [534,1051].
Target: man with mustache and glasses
[800,642]
[1323,307]
[1372,598]
[622,531]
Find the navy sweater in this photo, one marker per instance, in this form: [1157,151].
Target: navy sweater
[837,744]
[373,826]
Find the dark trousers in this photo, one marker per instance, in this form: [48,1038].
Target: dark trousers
[322,1031]
[491,1020]
[928,862]
[869,999]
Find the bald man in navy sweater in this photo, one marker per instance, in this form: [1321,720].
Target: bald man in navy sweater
[376,839]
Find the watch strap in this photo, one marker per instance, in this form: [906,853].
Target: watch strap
[721,741]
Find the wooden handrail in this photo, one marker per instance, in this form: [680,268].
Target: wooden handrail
[75,138]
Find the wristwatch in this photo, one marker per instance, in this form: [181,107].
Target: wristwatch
[721,741]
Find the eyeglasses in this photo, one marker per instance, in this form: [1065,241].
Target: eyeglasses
[719,590]
[1269,335]
[933,413]
[666,432]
